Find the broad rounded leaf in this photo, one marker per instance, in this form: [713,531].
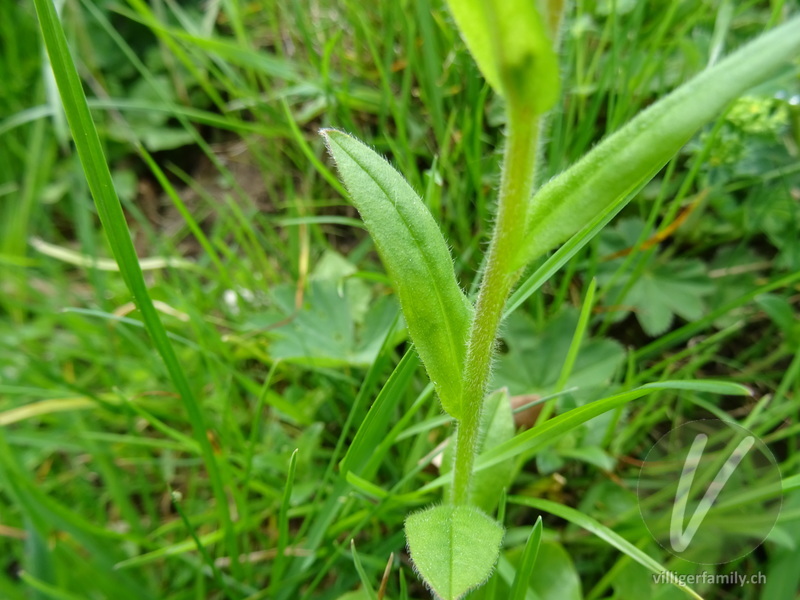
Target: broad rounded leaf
[454,548]
[417,259]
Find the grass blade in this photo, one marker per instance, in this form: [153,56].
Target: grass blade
[46,590]
[201,549]
[373,428]
[520,586]
[370,591]
[601,531]
[577,338]
[538,437]
[98,176]
[283,528]
[561,256]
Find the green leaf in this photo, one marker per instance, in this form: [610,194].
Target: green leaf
[416,258]
[783,576]
[661,291]
[374,427]
[454,548]
[541,436]
[711,386]
[676,288]
[279,563]
[509,41]
[535,356]
[362,574]
[554,575]
[635,153]
[525,568]
[781,312]
[592,455]
[115,226]
[604,533]
[324,333]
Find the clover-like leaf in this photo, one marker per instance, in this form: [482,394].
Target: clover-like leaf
[417,259]
[454,548]
[665,290]
[325,331]
[535,356]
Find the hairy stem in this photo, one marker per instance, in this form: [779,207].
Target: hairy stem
[516,187]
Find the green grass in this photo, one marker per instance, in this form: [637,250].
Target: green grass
[262,401]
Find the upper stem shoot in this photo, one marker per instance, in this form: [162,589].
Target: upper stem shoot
[516,187]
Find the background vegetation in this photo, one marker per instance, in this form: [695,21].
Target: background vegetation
[284,321]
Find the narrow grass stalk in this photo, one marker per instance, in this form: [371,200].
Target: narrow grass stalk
[109,209]
[516,187]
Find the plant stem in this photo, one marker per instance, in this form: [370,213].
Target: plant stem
[516,187]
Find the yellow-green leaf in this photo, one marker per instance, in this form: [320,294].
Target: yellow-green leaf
[510,43]
[416,258]
[454,548]
[634,154]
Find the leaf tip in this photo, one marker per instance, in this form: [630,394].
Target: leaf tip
[328,132]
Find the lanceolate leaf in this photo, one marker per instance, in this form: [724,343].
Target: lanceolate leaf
[417,259]
[635,153]
[454,548]
[510,43]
